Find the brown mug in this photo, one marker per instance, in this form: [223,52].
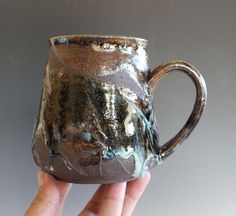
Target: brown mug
[96,122]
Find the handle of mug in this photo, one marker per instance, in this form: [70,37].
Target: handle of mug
[201,96]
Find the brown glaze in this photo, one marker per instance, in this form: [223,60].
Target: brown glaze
[200,102]
[96,122]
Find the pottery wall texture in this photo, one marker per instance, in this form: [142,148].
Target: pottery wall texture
[199,178]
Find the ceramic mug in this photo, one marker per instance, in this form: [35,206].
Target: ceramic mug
[96,122]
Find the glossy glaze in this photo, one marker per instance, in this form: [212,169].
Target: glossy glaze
[96,122]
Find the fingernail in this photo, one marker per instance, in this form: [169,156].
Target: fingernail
[42,177]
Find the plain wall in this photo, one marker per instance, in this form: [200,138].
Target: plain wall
[200,177]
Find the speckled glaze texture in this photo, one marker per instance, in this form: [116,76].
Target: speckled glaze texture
[96,122]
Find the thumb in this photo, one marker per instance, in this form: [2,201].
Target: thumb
[50,197]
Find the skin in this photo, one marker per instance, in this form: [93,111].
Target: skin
[109,199]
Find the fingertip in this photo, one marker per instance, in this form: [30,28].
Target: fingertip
[115,190]
[147,176]
[134,191]
[42,177]
[142,180]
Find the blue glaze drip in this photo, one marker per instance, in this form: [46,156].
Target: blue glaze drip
[110,154]
[87,136]
[147,126]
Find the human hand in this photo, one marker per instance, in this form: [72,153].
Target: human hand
[109,199]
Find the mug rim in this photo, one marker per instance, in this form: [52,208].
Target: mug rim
[99,39]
